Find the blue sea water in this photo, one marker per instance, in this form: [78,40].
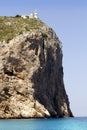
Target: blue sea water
[79,123]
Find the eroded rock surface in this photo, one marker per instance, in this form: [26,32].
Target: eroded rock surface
[31,76]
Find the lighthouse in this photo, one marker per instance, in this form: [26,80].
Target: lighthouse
[36,15]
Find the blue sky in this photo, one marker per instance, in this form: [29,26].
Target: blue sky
[69,20]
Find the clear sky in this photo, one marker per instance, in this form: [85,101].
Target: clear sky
[69,20]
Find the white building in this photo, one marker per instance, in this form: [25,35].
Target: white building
[36,15]
[32,15]
[24,16]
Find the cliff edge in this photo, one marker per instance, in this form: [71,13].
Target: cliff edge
[31,71]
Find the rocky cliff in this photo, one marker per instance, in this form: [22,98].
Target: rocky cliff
[31,73]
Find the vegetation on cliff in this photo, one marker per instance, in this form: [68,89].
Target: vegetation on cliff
[13,26]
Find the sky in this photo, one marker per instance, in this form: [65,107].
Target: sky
[68,18]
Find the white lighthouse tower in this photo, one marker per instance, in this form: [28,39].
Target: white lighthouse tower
[35,15]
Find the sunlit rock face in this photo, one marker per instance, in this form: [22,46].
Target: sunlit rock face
[31,76]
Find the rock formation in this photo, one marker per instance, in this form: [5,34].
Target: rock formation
[31,76]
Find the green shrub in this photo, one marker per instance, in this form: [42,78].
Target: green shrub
[17,27]
[18,15]
[44,35]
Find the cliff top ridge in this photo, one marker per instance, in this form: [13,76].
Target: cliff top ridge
[10,27]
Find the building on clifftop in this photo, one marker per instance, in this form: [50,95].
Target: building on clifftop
[31,15]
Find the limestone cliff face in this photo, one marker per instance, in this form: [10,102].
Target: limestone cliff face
[31,76]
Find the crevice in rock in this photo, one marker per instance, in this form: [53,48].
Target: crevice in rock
[6,91]
[19,93]
[8,72]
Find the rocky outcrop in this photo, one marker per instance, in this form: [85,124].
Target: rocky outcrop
[31,76]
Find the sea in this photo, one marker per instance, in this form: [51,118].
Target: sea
[76,123]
